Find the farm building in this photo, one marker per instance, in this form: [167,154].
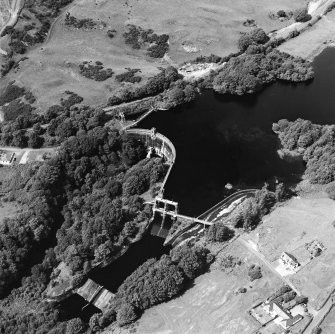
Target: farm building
[315,248]
[286,319]
[289,261]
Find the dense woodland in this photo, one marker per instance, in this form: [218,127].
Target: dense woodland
[154,282]
[314,142]
[82,184]
[259,66]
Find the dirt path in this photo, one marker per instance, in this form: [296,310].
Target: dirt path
[317,9]
[64,11]
[16,8]
[316,320]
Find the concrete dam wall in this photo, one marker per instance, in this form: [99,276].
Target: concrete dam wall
[161,144]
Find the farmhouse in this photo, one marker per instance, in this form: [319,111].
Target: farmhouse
[7,159]
[285,318]
[289,261]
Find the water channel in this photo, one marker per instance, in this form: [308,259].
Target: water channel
[221,139]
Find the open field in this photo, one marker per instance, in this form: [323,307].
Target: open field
[4,12]
[328,324]
[202,26]
[287,229]
[211,305]
[312,41]
[8,209]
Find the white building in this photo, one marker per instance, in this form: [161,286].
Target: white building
[7,159]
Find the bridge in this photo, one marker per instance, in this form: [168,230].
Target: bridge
[170,208]
[96,295]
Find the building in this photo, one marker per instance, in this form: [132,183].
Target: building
[289,261]
[7,159]
[315,248]
[284,317]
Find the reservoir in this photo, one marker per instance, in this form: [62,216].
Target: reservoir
[221,139]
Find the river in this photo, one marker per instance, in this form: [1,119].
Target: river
[221,139]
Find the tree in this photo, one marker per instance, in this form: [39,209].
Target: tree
[132,151]
[130,229]
[218,232]
[330,190]
[75,326]
[94,322]
[192,260]
[34,140]
[281,13]
[301,15]
[254,272]
[301,299]
[280,192]
[256,36]
[19,138]
[102,253]
[126,314]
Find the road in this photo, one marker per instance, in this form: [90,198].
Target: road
[314,11]
[15,10]
[317,318]
[64,11]
[23,153]
[266,262]
[319,314]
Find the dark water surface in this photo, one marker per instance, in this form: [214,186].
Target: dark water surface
[222,139]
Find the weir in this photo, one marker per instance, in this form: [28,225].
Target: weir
[96,295]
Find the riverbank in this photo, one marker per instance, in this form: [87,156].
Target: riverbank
[313,40]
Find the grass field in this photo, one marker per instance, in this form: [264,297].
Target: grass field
[4,12]
[205,26]
[310,43]
[8,210]
[328,324]
[288,228]
[211,304]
